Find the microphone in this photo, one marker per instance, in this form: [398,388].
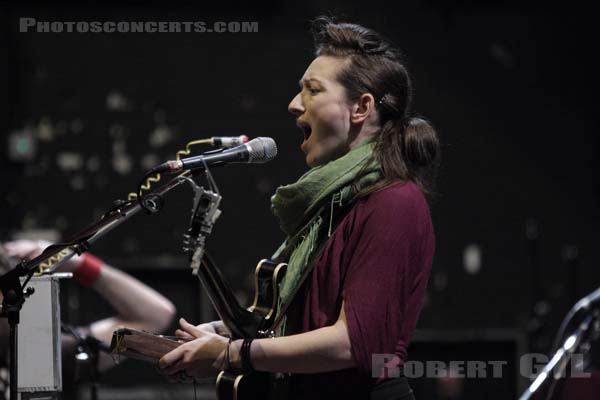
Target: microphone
[228,141]
[259,150]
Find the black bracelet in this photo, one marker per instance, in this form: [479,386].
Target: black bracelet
[245,356]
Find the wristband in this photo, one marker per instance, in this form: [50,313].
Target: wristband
[89,270]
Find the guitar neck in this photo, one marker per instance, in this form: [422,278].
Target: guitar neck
[241,322]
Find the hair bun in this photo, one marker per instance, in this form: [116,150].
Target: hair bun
[421,144]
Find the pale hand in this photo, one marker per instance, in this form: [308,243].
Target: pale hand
[202,357]
[217,327]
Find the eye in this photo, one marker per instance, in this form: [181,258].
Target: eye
[313,91]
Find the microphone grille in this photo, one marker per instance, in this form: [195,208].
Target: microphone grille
[261,150]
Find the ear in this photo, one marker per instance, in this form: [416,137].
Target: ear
[363,107]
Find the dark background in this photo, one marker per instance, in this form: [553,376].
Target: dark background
[510,86]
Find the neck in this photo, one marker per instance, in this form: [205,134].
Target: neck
[360,135]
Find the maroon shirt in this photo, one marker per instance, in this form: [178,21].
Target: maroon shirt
[377,261]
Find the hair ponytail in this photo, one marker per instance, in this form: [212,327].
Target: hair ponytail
[408,150]
[421,150]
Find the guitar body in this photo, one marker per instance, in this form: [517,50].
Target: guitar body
[267,277]
[232,386]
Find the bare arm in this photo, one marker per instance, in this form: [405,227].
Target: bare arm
[321,350]
[137,305]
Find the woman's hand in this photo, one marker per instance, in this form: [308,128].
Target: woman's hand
[29,249]
[202,357]
[217,327]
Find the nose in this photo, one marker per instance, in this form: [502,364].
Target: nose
[295,106]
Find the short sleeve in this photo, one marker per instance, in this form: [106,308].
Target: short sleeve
[391,248]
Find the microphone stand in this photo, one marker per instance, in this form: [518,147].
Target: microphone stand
[10,283]
[88,348]
[560,359]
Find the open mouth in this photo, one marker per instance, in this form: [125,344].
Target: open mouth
[306,129]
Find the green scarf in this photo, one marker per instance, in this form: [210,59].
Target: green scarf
[302,207]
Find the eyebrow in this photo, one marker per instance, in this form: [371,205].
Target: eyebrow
[308,80]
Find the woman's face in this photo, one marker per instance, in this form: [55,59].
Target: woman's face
[322,111]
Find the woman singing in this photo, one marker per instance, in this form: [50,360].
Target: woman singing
[357,221]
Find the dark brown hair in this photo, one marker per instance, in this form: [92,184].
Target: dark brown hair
[407,146]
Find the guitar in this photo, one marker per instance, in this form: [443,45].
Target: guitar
[257,321]
[142,345]
[254,322]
